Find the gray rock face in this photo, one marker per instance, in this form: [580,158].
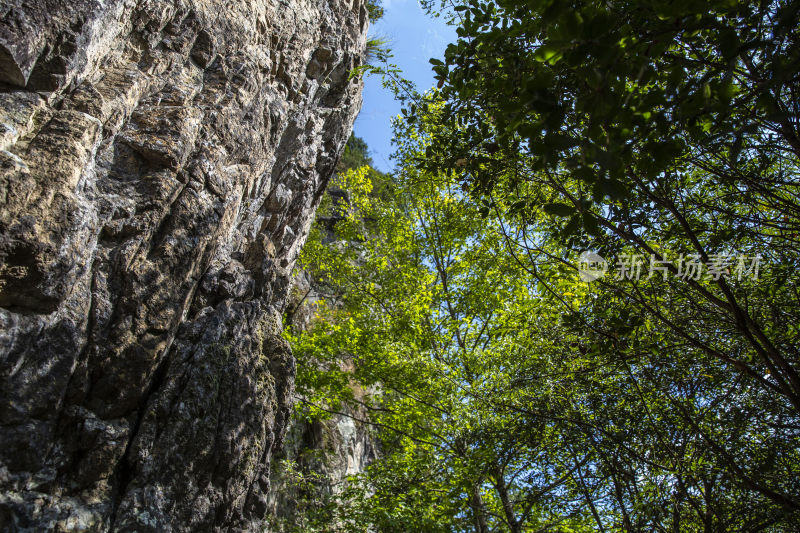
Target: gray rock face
[160,163]
[312,470]
[318,457]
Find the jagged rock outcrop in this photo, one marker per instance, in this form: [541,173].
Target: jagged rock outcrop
[160,162]
[318,457]
[313,471]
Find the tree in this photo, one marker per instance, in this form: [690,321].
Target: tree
[667,130]
[511,395]
[425,305]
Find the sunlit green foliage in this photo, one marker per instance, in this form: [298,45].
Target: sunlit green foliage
[508,394]
[375,10]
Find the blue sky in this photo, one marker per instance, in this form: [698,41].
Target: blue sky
[413,37]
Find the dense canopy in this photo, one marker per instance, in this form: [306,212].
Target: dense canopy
[517,385]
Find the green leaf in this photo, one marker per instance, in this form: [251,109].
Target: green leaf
[558,209]
[549,54]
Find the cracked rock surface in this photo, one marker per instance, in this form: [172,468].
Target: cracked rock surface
[160,164]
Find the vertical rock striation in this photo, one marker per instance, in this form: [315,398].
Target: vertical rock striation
[160,162]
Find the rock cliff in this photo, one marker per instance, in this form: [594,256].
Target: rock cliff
[313,468]
[160,163]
